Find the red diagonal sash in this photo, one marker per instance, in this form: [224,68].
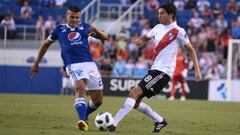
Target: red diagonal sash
[166,40]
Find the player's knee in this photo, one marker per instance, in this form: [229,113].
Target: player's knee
[136,105]
[135,93]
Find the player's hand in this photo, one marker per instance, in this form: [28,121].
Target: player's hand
[34,70]
[92,31]
[198,75]
[139,42]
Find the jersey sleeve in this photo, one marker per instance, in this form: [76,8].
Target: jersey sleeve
[183,37]
[151,33]
[86,27]
[54,34]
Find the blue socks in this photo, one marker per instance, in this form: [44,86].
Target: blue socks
[90,108]
[81,108]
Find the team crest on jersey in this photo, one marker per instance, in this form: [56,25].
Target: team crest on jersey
[80,27]
[170,36]
[74,36]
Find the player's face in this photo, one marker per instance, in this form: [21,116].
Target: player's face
[73,18]
[164,17]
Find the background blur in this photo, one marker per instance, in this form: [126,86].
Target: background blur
[209,24]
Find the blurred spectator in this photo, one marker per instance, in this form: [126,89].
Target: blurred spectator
[190,4]
[106,66]
[59,20]
[148,51]
[108,44]
[235,29]
[122,53]
[143,20]
[130,65]
[232,7]
[119,68]
[66,83]
[26,11]
[9,23]
[124,33]
[146,29]
[49,25]
[40,28]
[96,48]
[180,4]
[60,3]
[216,71]
[122,42]
[221,24]
[195,22]
[202,4]
[212,41]
[224,37]
[113,52]
[46,3]
[153,5]
[207,13]
[141,64]
[217,10]
[21,2]
[205,62]
[141,67]
[202,36]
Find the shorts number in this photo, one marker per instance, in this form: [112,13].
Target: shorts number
[148,78]
[100,82]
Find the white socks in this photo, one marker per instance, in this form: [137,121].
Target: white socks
[146,109]
[126,108]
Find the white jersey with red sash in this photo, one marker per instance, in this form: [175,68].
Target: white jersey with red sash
[167,40]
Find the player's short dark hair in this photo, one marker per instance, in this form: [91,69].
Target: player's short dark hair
[74,9]
[170,8]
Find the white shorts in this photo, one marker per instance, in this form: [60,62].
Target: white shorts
[66,82]
[86,70]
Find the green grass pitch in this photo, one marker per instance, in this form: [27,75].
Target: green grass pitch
[55,115]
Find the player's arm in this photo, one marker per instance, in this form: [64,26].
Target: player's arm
[140,40]
[194,58]
[97,33]
[41,53]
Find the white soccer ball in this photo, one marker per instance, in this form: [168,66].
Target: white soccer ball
[103,120]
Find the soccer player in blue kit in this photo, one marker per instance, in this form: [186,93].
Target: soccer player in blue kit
[73,41]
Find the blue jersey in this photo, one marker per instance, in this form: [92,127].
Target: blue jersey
[73,43]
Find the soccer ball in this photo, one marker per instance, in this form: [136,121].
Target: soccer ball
[103,120]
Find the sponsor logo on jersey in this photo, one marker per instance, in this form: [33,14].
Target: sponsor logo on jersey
[75,38]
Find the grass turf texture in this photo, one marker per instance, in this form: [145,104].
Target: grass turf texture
[55,115]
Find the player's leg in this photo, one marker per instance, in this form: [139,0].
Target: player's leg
[95,101]
[80,92]
[183,92]
[128,105]
[158,81]
[94,88]
[144,88]
[174,82]
[80,104]
[79,79]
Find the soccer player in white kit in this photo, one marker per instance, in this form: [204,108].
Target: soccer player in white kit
[168,37]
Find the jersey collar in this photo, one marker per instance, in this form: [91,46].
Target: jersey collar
[72,29]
